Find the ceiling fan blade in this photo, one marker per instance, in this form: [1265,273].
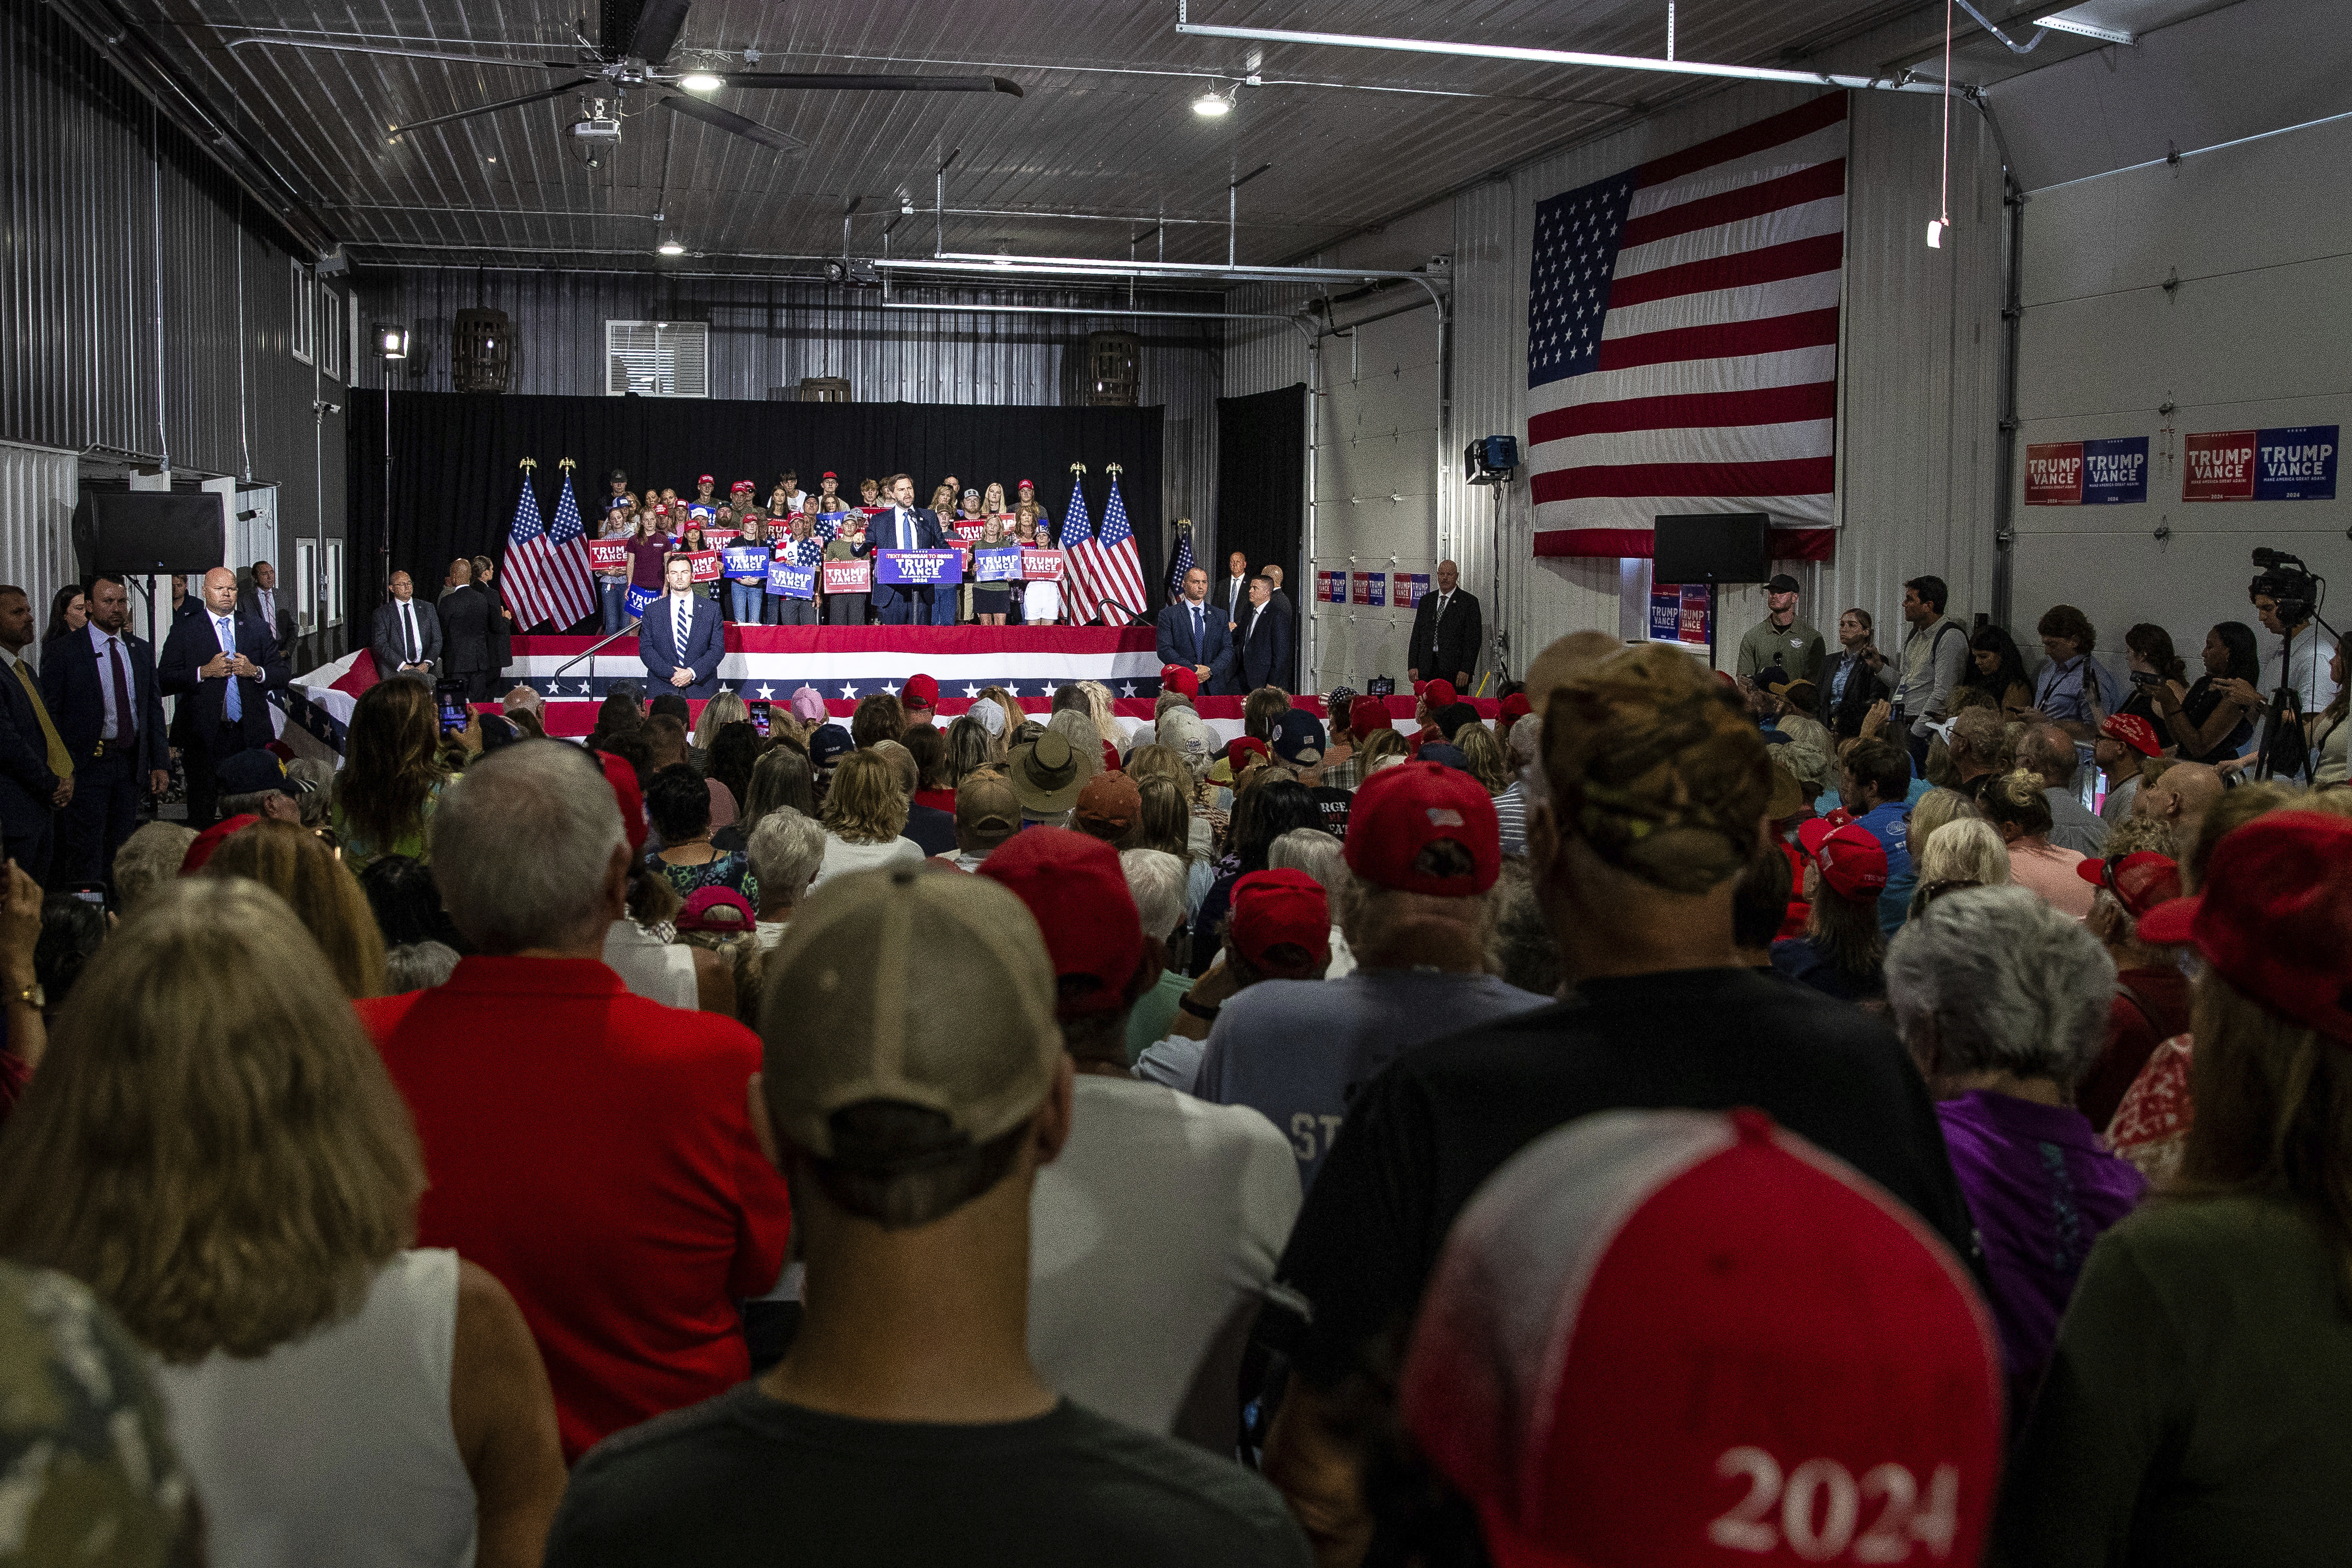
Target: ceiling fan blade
[872,83]
[727,120]
[557,91]
[413,54]
[658,25]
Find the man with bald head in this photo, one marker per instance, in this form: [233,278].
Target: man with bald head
[221,663]
[406,637]
[2180,799]
[1445,632]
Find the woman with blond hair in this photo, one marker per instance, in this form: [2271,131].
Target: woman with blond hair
[2019,811]
[1964,853]
[212,1146]
[1105,717]
[866,819]
[1485,755]
[1015,716]
[989,601]
[296,864]
[392,776]
[726,708]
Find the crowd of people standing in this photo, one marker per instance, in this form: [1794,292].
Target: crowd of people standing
[1687,1118]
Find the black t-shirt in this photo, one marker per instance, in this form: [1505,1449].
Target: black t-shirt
[1333,804]
[747,1480]
[1422,1135]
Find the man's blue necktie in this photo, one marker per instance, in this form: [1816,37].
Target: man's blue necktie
[232,703]
[1197,633]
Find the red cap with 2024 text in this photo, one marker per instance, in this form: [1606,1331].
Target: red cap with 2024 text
[2272,917]
[1688,1339]
[1402,810]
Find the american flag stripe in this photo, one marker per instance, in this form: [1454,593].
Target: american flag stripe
[1683,329]
[547,579]
[1119,562]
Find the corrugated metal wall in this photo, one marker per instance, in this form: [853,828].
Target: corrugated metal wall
[103,199]
[37,487]
[1918,367]
[766,334]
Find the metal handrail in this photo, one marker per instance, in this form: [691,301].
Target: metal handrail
[599,646]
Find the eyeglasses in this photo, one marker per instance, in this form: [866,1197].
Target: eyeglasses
[1931,892]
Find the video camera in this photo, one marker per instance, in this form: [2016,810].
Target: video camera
[2288,582]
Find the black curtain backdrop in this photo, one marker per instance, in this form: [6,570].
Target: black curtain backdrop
[1261,490]
[1261,481]
[454,473]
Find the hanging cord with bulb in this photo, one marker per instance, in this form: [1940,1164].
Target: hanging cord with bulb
[1944,216]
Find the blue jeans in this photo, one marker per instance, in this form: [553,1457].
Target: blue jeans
[744,601]
[612,591]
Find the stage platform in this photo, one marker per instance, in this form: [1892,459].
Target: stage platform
[846,663]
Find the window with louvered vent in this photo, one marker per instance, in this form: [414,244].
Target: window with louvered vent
[657,358]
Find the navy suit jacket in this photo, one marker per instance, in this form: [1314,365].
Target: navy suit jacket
[1265,656]
[1216,647]
[69,685]
[192,645]
[26,784]
[929,535]
[705,644]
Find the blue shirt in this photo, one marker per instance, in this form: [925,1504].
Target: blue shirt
[2060,692]
[1296,1049]
[1891,825]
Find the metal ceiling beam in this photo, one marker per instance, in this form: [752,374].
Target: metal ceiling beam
[1901,83]
[965,261]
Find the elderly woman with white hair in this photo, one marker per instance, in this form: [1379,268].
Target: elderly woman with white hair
[1523,757]
[2002,1001]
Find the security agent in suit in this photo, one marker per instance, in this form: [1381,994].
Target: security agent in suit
[99,686]
[1192,632]
[406,637]
[222,665]
[681,639]
[1233,591]
[465,613]
[35,773]
[905,526]
[262,597]
[1445,632]
[1264,637]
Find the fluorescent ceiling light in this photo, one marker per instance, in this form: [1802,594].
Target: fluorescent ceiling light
[1212,106]
[671,247]
[700,82]
[2061,23]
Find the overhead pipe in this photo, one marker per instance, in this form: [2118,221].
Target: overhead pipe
[1905,82]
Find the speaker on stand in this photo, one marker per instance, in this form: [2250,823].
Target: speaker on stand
[1492,461]
[1712,548]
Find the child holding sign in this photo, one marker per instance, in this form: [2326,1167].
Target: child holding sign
[746,570]
[791,594]
[990,597]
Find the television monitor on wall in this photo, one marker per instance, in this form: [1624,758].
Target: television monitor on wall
[1715,546]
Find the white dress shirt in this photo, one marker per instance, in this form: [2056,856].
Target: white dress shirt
[411,647]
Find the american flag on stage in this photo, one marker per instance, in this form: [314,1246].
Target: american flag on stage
[1682,339]
[547,568]
[1180,565]
[1081,602]
[1117,564]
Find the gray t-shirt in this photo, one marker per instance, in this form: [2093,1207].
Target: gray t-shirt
[750,1481]
[1296,1049]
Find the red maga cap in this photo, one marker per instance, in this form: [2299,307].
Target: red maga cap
[627,796]
[1688,1339]
[2140,882]
[1852,861]
[828,474]
[921,691]
[1402,810]
[1515,706]
[1273,908]
[1074,887]
[2134,732]
[704,479]
[1437,694]
[1179,678]
[211,839]
[1366,714]
[2271,919]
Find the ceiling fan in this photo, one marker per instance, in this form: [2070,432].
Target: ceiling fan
[645,63]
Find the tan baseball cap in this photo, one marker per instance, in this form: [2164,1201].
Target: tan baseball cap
[845,1021]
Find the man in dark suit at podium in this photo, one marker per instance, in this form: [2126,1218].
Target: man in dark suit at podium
[222,664]
[1192,633]
[680,637]
[1264,638]
[1446,631]
[99,688]
[906,526]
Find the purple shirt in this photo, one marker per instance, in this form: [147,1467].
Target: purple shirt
[2041,1189]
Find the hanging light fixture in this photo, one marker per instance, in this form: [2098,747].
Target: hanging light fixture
[700,82]
[1213,105]
[1941,224]
[671,247]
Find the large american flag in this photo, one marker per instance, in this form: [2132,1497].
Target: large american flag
[1081,600]
[1180,565]
[547,569]
[1118,566]
[1682,339]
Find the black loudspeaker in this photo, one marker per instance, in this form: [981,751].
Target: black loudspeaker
[140,533]
[1719,547]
